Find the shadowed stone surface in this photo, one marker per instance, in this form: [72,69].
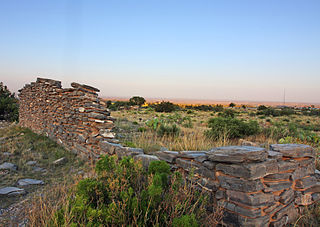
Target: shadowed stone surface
[306,182]
[277,186]
[8,166]
[237,184]
[237,154]
[294,150]
[168,156]
[11,191]
[255,199]
[250,171]
[27,181]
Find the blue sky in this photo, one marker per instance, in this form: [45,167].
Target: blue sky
[224,50]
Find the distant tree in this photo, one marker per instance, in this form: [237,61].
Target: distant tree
[232,105]
[244,106]
[9,109]
[137,100]
[218,108]
[109,103]
[262,107]
[165,107]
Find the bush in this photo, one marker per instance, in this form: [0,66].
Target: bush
[166,107]
[227,113]
[137,100]
[168,130]
[9,109]
[124,194]
[231,128]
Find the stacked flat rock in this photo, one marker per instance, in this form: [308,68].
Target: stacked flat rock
[256,187]
[75,117]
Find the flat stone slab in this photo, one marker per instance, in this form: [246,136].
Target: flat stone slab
[146,159]
[38,169]
[8,166]
[31,163]
[11,191]
[236,184]
[27,181]
[253,200]
[294,150]
[250,171]
[168,156]
[199,155]
[238,154]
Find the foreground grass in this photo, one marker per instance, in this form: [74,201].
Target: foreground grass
[123,193]
[20,145]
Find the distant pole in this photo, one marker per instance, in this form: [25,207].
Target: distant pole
[284,96]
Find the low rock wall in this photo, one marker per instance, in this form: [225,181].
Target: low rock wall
[256,186]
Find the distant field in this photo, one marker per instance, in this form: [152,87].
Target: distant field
[221,102]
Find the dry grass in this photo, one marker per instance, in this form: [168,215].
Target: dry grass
[190,139]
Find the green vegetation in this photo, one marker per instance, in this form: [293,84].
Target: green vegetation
[9,109]
[137,100]
[166,107]
[122,193]
[231,128]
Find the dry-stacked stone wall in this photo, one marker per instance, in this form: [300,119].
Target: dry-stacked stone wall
[255,186]
[75,117]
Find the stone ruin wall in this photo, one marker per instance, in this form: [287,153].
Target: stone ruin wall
[75,117]
[256,186]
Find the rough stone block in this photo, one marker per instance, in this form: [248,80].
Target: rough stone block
[315,188]
[253,200]
[211,185]
[294,150]
[273,208]
[187,164]
[271,166]
[238,154]
[209,164]
[234,220]
[275,155]
[250,171]
[200,155]
[278,176]
[237,184]
[252,213]
[205,172]
[306,182]
[287,196]
[287,165]
[168,156]
[301,172]
[277,186]
[289,211]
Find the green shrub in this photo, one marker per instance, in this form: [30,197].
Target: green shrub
[168,130]
[166,107]
[227,113]
[124,194]
[231,128]
[9,109]
[137,100]
[142,129]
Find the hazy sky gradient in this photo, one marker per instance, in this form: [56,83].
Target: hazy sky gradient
[227,50]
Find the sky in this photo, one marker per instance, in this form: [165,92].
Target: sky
[207,49]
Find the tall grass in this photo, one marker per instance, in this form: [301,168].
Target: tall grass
[189,139]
